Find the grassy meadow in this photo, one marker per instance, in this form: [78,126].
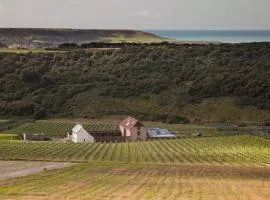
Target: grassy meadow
[8,137]
[138,38]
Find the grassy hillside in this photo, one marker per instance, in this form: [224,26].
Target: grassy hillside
[50,37]
[200,83]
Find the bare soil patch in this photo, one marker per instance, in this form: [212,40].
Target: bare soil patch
[12,169]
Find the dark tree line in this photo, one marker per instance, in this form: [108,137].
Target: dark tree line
[109,45]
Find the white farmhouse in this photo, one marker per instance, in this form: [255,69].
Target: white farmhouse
[79,134]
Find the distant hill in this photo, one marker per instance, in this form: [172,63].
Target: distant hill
[28,37]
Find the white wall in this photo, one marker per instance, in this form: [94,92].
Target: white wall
[82,136]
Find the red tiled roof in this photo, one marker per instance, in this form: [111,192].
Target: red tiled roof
[129,122]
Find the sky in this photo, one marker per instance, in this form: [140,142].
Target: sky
[136,14]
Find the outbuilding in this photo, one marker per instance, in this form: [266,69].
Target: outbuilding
[133,130]
[33,137]
[158,133]
[79,134]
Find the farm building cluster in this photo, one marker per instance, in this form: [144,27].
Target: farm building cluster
[130,129]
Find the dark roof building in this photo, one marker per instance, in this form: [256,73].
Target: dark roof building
[33,137]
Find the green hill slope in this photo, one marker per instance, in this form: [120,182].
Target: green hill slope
[199,82]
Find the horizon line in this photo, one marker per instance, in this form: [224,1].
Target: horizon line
[136,29]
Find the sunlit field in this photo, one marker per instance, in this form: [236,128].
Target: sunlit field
[142,181]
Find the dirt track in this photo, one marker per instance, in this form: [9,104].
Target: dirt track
[12,169]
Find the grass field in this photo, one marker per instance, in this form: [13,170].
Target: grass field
[214,150]
[4,136]
[142,181]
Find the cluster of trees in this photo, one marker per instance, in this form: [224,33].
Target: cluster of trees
[57,83]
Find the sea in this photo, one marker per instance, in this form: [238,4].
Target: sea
[222,36]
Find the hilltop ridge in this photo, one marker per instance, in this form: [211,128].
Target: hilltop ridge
[37,37]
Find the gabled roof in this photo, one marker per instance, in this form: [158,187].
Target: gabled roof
[129,122]
[77,128]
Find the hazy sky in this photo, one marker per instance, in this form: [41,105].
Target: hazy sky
[136,14]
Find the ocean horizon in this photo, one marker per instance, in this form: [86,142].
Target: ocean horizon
[223,36]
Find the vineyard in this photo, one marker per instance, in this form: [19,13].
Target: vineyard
[98,181]
[60,128]
[214,150]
